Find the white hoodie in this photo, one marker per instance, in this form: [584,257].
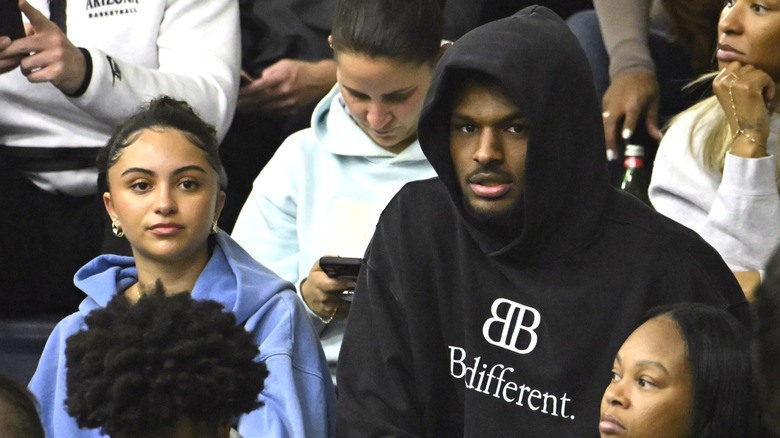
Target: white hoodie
[736,211]
[321,194]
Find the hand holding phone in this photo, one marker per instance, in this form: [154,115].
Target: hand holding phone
[326,295]
[346,268]
[11,19]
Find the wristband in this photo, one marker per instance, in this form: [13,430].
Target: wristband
[87,75]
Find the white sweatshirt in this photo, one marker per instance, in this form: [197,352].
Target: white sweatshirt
[140,49]
[737,212]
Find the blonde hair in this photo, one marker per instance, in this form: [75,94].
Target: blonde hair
[709,116]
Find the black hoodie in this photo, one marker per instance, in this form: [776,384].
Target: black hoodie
[455,330]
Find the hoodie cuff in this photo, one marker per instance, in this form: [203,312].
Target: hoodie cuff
[87,75]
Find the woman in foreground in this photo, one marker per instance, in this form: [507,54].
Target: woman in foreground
[684,373]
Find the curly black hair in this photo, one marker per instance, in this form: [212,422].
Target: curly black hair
[138,369]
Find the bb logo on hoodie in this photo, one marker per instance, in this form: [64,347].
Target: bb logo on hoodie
[512,326]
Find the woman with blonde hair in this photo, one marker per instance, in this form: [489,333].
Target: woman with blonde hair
[716,168]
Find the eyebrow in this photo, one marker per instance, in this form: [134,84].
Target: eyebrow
[175,172]
[401,91]
[458,117]
[650,363]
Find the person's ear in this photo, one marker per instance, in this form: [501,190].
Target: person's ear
[220,204]
[109,204]
[330,41]
[443,48]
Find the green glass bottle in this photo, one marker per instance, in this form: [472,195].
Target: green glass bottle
[635,177]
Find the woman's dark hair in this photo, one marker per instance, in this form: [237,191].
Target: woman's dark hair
[695,25]
[21,413]
[405,30]
[766,343]
[718,350]
[138,369]
[159,114]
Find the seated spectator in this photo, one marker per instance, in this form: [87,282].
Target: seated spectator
[163,181]
[716,168]
[766,343]
[493,297]
[83,67]
[323,190]
[166,366]
[685,372]
[643,53]
[18,411]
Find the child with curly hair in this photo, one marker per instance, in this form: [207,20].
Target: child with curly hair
[168,366]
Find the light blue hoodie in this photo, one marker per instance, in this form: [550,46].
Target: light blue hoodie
[299,397]
[317,177]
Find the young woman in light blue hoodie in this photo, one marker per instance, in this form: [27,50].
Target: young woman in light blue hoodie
[323,190]
[164,193]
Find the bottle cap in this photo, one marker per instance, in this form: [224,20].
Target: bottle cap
[634,150]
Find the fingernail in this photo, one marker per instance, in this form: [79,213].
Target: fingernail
[627,133]
[611,156]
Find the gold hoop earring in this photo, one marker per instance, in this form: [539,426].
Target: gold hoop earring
[214,229]
[116,228]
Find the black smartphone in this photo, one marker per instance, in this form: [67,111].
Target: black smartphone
[341,267]
[11,19]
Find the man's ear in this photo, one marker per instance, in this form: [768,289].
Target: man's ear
[446,44]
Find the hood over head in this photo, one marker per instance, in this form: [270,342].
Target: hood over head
[337,132]
[544,70]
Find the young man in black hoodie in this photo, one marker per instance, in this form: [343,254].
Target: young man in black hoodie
[493,299]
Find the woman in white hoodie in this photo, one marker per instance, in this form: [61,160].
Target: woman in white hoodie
[325,187]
